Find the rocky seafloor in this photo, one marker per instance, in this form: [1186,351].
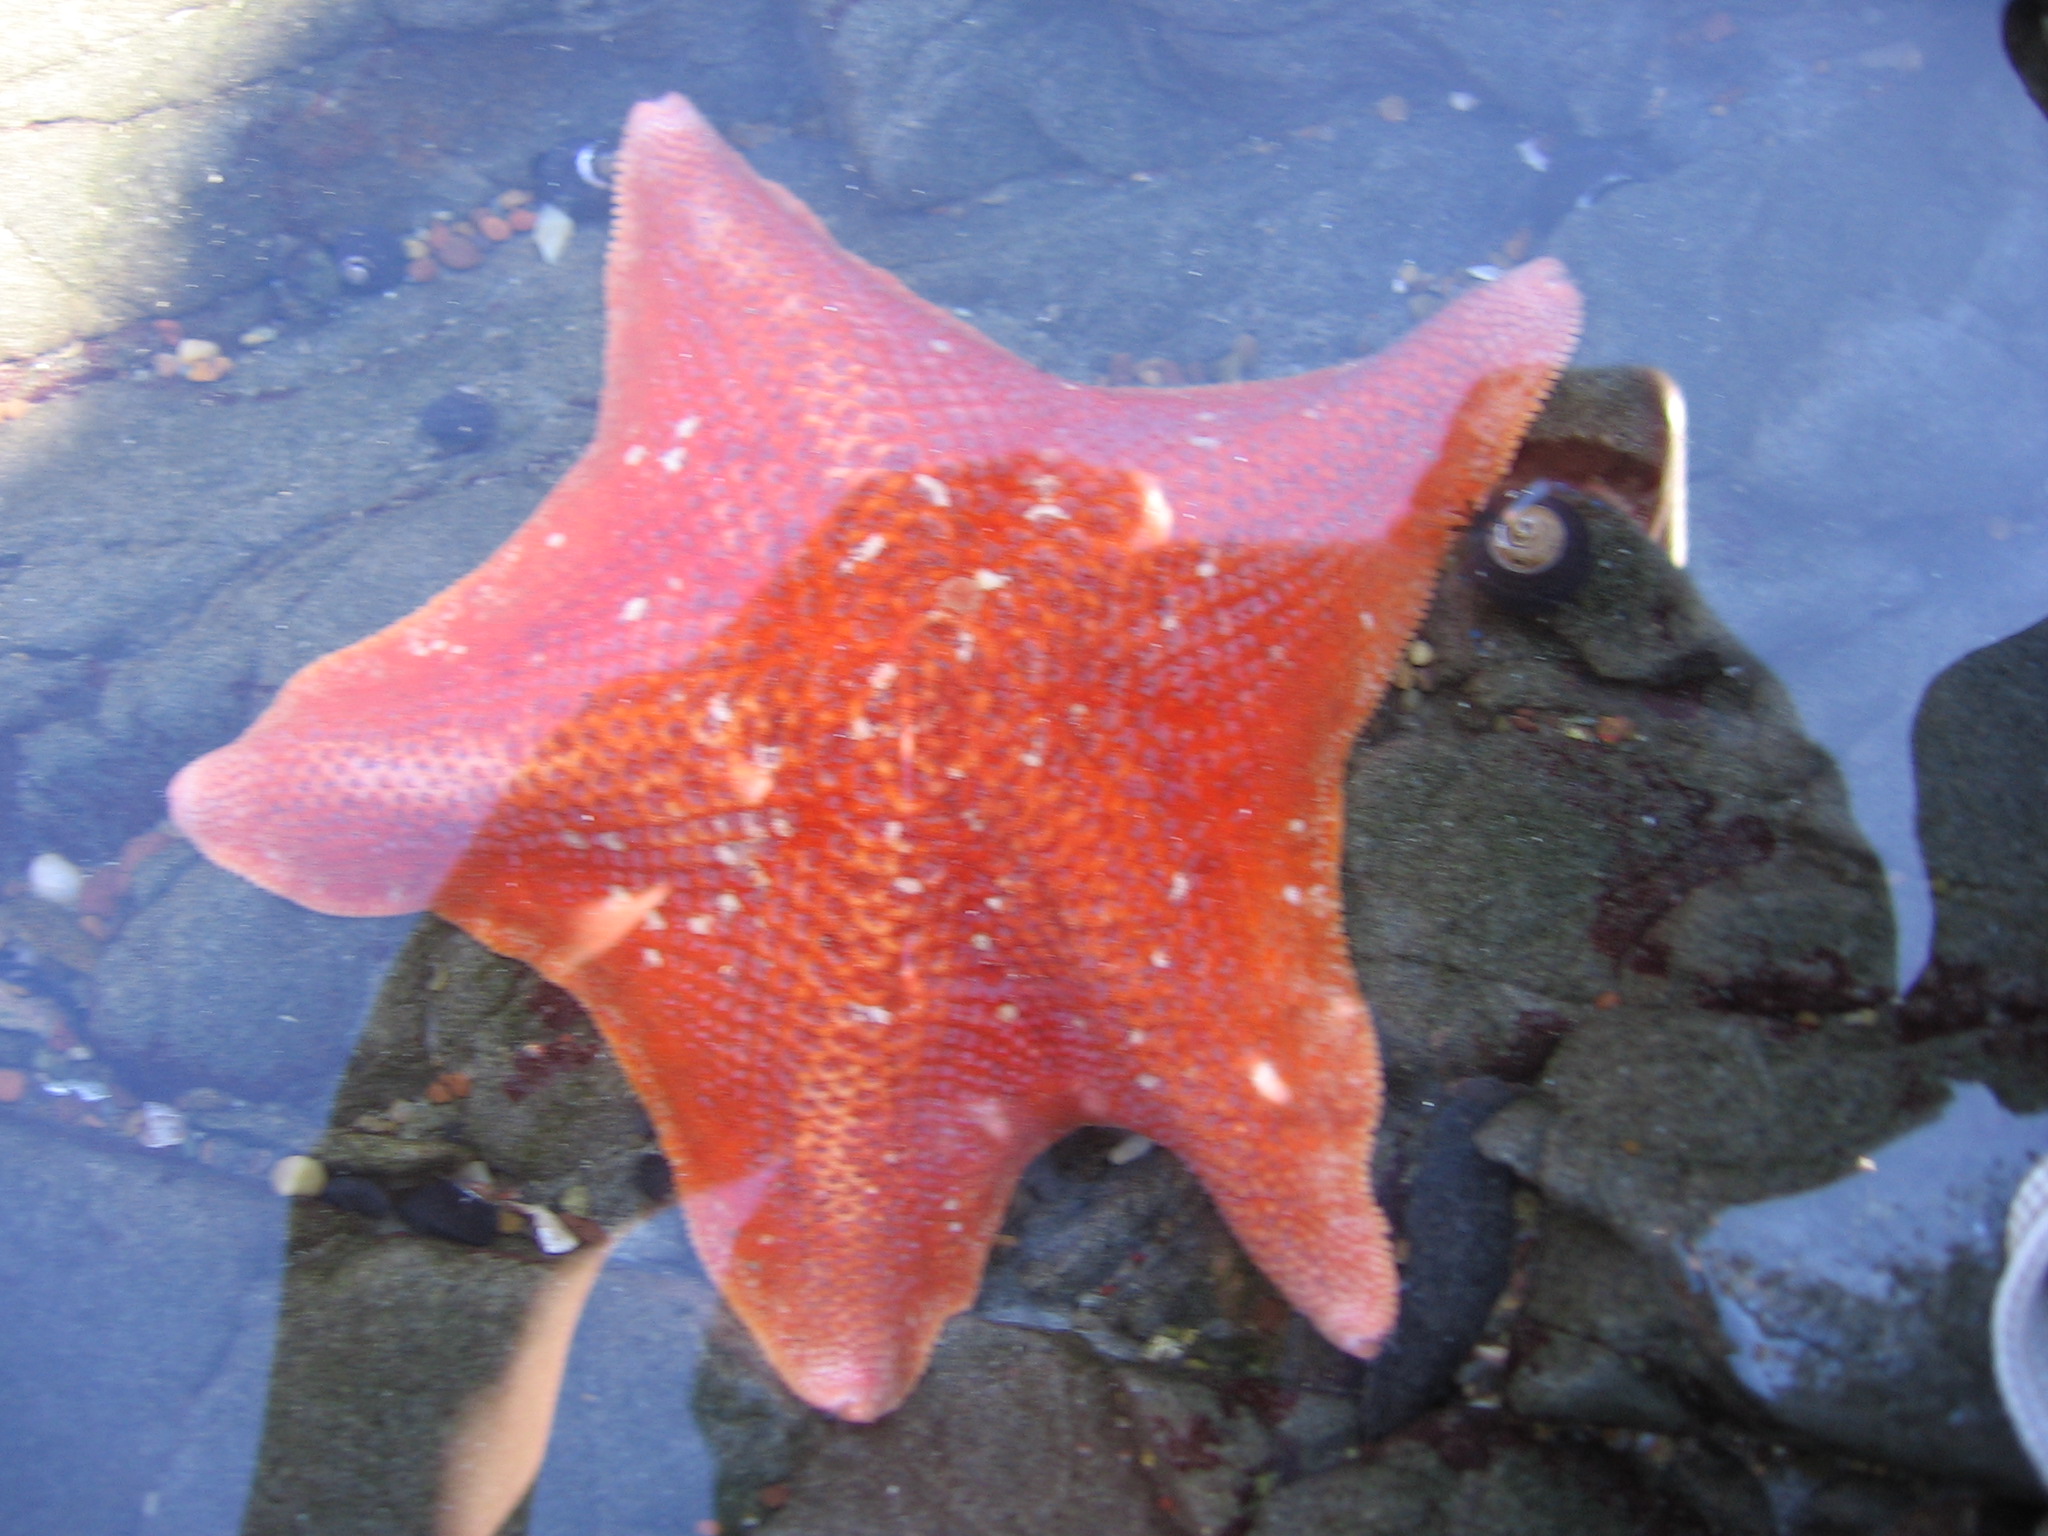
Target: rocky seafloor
[1700,1216]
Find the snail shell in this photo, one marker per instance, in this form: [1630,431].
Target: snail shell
[1532,550]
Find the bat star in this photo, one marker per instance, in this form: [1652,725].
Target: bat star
[907,756]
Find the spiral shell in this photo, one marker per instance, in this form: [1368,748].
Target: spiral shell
[1531,550]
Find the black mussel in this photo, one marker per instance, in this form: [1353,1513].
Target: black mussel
[445,1209]
[460,421]
[1529,549]
[368,260]
[576,178]
[653,1177]
[351,1192]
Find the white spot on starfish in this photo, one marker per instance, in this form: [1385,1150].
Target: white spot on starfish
[1268,1084]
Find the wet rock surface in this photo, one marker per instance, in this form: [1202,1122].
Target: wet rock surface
[1604,891]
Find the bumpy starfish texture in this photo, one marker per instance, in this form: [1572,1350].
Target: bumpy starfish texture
[907,757]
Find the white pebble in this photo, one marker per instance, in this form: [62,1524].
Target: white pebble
[56,879]
[552,232]
[298,1175]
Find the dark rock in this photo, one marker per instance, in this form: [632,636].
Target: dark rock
[382,1345]
[1633,871]
[460,421]
[1466,1478]
[1980,746]
[1016,1431]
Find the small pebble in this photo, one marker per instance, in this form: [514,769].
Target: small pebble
[493,228]
[192,349]
[422,269]
[457,252]
[445,1209]
[208,370]
[55,879]
[351,1192]
[13,1085]
[460,421]
[298,1176]
[262,335]
[1420,653]
[522,219]
[1462,101]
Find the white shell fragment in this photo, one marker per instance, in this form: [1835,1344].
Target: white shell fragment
[550,1233]
[159,1125]
[56,879]
[1129,1150]
[298,1176]
[552,232]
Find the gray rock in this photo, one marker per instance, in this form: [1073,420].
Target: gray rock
[120,170]
[1589,71]
[1865,386]
[939,98]
[623,1473]
[137,1313]
[178,1003]
[1859,1311]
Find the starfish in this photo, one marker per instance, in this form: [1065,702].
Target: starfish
[907,756]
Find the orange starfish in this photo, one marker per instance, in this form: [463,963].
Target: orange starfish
[907,756]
